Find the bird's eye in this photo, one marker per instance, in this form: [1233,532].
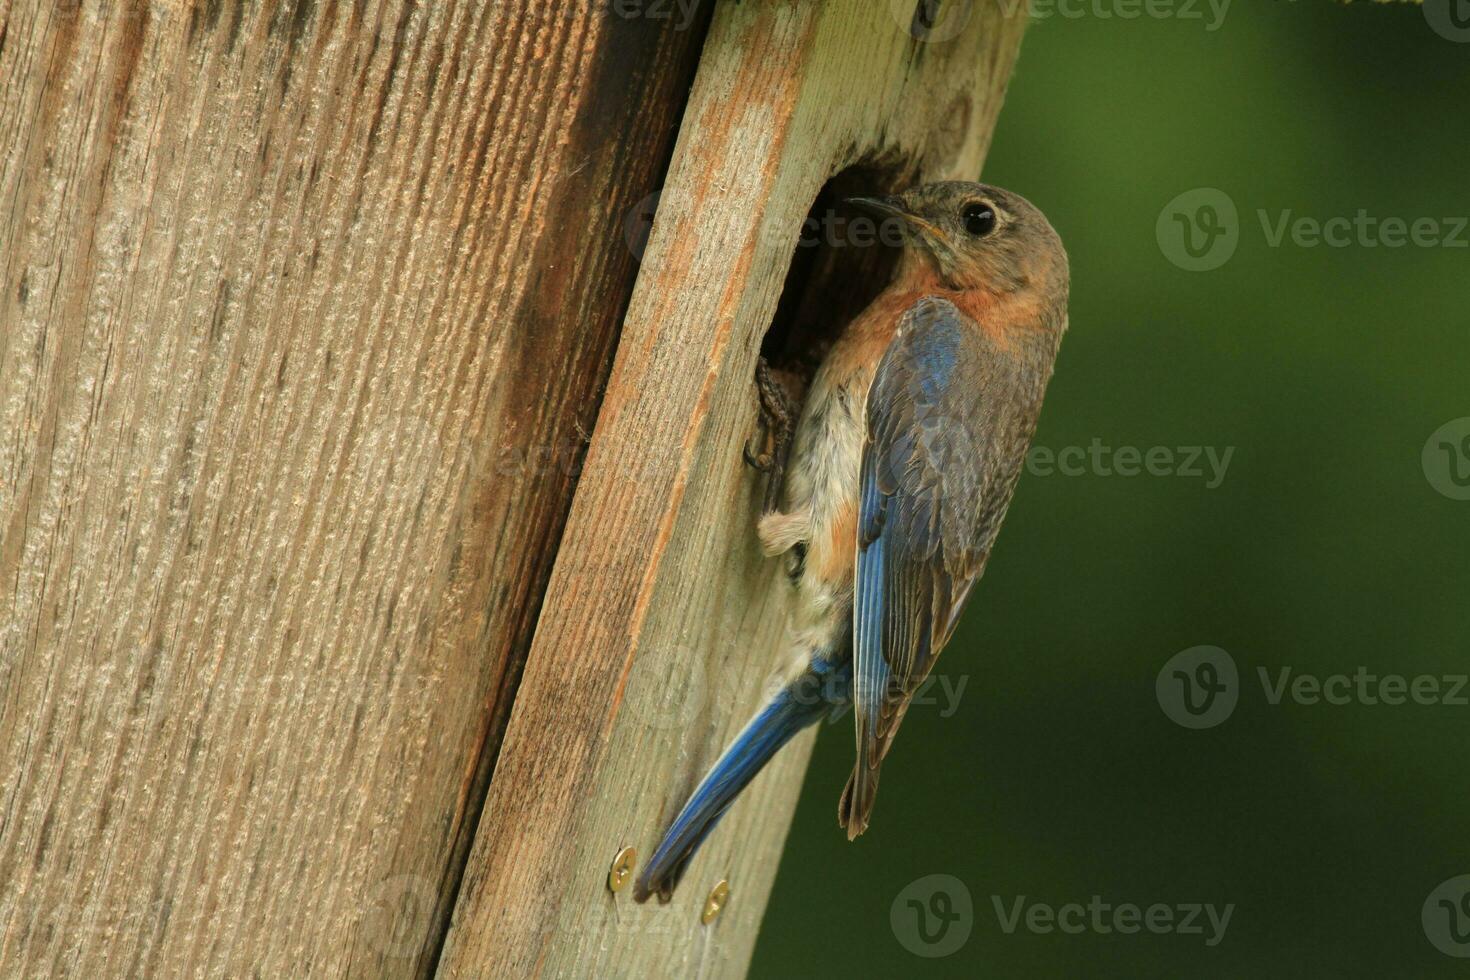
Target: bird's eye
[979,218]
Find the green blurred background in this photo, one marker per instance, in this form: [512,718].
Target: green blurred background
[1325,548]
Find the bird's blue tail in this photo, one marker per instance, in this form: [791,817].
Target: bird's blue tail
[824,687]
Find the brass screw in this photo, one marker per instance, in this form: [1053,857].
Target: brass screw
[622,869]
[715,902]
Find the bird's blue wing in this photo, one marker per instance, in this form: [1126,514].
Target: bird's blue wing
[925,479]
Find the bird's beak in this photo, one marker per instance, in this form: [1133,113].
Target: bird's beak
[892,207]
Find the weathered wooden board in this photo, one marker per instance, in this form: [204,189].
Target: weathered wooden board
[661,621]
[302,308]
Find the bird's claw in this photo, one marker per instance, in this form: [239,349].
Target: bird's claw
[760,463]
[777,422]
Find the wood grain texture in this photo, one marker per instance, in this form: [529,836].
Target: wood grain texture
[661,622]
[300,322]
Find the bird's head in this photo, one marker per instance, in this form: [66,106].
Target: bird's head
[975,236]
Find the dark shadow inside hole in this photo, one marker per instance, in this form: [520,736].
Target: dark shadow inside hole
[839,266]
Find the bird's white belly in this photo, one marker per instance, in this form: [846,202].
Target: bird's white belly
[823,492]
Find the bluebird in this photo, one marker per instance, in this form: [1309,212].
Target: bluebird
[902,466]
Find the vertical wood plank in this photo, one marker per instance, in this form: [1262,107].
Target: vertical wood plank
[304,305]
[661,620]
